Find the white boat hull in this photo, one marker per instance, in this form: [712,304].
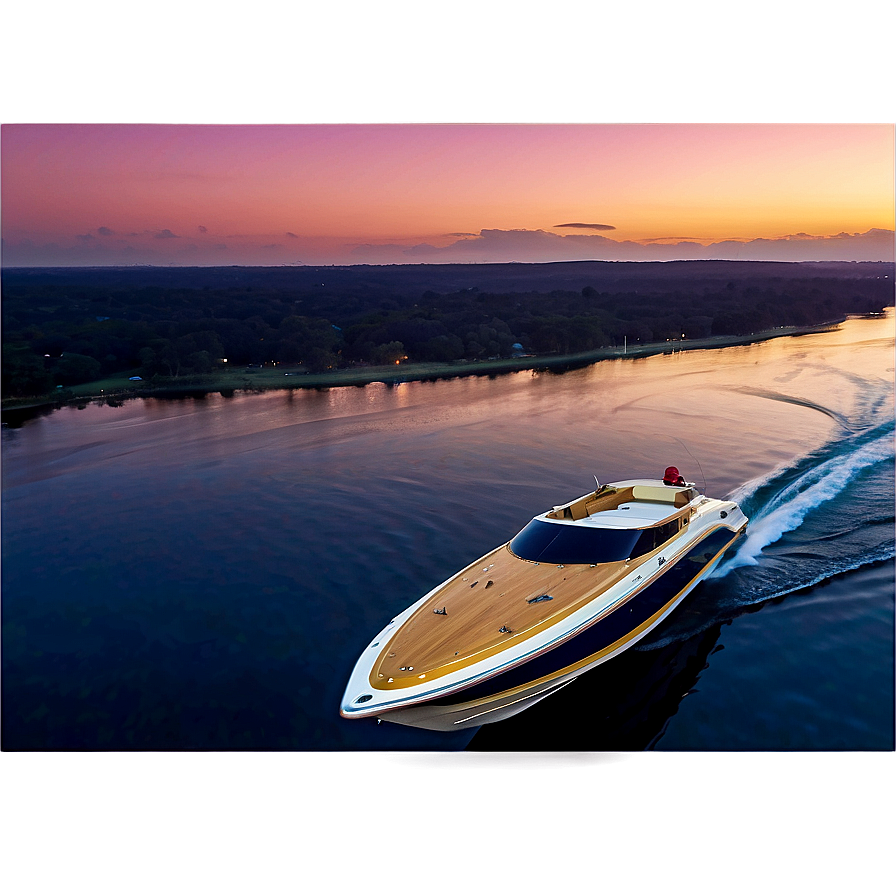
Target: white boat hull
[508,680]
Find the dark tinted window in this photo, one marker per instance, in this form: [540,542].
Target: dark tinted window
[546,542]
[652,538]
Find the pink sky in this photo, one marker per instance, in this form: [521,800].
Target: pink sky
[343,194]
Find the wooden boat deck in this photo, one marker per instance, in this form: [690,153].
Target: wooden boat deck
[492,595]
[494,603]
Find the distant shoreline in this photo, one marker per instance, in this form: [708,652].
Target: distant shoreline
[228,382]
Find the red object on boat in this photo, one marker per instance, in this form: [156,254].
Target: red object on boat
[672,477]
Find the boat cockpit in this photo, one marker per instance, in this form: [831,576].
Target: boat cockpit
[608,497]
[612,524]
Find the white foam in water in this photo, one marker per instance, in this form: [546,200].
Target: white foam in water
[811,490]
[749,488]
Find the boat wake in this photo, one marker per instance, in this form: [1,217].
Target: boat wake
[782,501]
[825,514]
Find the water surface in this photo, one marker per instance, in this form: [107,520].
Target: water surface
[202,573]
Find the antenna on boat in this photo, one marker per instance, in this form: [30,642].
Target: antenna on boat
[694,459]
[596,483]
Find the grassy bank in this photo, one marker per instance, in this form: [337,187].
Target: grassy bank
[119,388]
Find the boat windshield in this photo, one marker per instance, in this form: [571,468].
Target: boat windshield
[545,542]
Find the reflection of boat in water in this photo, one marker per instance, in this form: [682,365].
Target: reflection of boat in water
[578,585]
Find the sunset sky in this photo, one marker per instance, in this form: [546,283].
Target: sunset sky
[211,190]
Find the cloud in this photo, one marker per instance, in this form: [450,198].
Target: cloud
[202,229]
[588,226]
[488,246]
[873,245]
[89,249]
[420,249]
[501,246]
[105,231]
[461,234]
[515,245]
[292,235]
[384,253]
[678,239]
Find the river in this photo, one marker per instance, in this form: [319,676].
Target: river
[201,574]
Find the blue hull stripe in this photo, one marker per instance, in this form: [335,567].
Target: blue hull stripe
[606,631]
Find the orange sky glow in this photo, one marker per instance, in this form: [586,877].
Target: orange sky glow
[342,194]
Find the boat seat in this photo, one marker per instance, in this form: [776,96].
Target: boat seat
[655,493]
[677,497]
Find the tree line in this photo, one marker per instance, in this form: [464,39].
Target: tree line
[69,326]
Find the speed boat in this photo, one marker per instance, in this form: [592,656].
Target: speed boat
[575,587]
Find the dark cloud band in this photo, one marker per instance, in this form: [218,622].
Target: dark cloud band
[588,226]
